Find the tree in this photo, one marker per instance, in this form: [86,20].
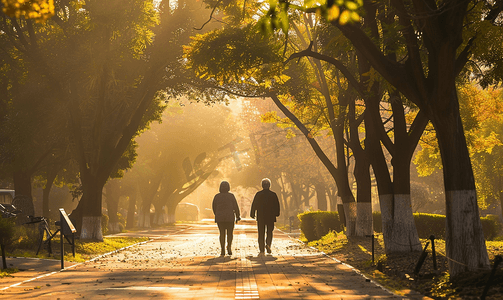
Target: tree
[398,225]
[283,155]
[428,79]
[481,113]
[179,154]
[262,81]
[32,121]
[312,108]
[109,97]
[38,10]
[486,143]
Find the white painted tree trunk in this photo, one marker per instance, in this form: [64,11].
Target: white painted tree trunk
[91,229]
[350,214]
[171,217]
[463,230]
[114,227]
[364,224]
[144,220]
[399,230]
[155,221]
[141,219]
[159,218]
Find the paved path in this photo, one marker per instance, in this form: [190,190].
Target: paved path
[182,262]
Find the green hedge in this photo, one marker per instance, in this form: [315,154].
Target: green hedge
[434,224]
[315,224]
[491,226]
[430,224]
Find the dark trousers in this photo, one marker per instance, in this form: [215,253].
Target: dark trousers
[226,228]
[262,227]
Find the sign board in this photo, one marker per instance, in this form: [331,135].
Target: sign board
[67,227]
[6,196]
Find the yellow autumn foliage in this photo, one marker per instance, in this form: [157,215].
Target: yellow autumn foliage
[38,10]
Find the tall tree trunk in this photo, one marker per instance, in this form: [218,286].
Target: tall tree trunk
[342,182]
[113,218]
[23,201]
[501,203]
[399,231]
[159,213]
[112,200]
[405,232]
[51,176]
[340,174]
[171,206]
[286,206]
[22,183]
[465,244]
[332,196]
[296,196]
[91,200]
[321,195]
[364,223]
[130,222]
[144,219]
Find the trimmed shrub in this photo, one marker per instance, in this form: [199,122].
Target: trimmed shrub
[434,224]
[430,224]
[491,226]
[315,224]
[307,225]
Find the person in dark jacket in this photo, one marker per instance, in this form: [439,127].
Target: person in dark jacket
[265,207]
[226,210]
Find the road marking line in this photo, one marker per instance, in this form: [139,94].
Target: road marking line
[246,286]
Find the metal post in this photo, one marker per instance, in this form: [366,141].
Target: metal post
[4,262]
[373,249]
[433,253]
[73,244]
[373,255]
[62,250]
[421,259]
[497,260]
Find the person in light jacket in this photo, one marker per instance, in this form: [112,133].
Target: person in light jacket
[265,207]
[226,210]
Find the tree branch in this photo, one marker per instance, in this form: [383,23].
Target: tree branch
[336,63]
[211,16]
[316,147]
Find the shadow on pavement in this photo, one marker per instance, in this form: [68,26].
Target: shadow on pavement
[218,260]
[261,258]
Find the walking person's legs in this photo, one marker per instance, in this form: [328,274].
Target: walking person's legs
[268,240]
[230,236]
[221,229]
[261,235]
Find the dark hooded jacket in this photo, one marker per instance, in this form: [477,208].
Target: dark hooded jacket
[225,206]
[265,205]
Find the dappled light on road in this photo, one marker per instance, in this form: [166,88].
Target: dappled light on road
[185,263]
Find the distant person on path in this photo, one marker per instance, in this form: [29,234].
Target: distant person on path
[226,210]
[265,207]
